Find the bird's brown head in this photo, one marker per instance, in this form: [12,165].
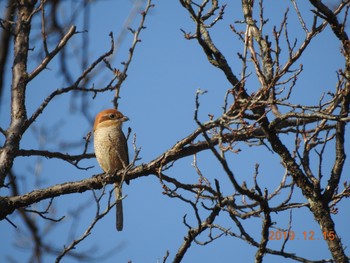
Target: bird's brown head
[109,117]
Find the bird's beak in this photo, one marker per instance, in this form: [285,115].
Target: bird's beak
[125,118]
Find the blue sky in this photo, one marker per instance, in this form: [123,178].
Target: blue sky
[158,97]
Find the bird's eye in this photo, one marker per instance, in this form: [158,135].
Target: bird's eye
[111,116]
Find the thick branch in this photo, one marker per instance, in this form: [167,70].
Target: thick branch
[18,88]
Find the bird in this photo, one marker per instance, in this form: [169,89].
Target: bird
[111,150]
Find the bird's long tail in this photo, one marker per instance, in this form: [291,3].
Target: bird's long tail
[118,197]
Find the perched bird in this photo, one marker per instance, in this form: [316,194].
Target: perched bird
[111,150]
